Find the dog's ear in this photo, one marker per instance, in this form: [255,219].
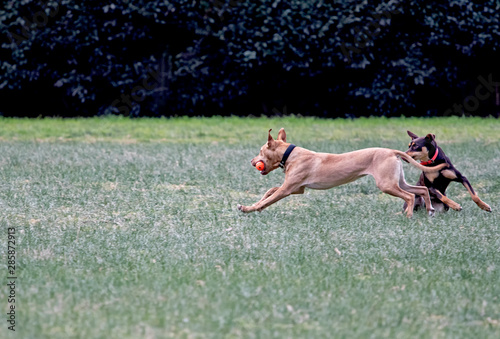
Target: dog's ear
[412,135]
[282,135]
[270,140]
[430,138]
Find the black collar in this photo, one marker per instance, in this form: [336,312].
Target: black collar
[286,155]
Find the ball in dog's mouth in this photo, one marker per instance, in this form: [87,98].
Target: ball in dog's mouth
[260,166]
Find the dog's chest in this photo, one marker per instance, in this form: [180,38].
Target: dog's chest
[441,176]
[449,174]
[432,176]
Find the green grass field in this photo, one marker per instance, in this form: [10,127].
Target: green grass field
[129,229]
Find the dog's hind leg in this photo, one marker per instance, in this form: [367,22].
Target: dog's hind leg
[419,203]
[396,191]
[421,191]
[392,188]
[439,206]
[387,180]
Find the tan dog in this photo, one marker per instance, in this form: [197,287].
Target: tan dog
[304,168]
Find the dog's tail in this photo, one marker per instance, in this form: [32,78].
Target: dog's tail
[417,165]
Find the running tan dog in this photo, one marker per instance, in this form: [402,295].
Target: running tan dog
[304,168]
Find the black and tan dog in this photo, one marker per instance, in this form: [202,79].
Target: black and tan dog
[426,150]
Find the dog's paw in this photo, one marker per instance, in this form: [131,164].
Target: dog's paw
[432,212]
[242,208]
[455,207]
[484,206]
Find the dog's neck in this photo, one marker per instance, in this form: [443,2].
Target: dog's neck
[286,155]
[431,160]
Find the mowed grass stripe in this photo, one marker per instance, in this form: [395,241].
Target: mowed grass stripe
[135,239]
[237,130]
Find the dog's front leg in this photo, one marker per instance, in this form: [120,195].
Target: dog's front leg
[443,198]
[273,195]
[268,194]
[464,181]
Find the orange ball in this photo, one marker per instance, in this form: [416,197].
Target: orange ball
[260,166]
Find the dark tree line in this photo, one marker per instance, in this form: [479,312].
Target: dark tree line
[324,58]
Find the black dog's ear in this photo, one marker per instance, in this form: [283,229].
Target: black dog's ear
[430,138]
[412,135]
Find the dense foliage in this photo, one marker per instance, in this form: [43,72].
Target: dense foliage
[335,58]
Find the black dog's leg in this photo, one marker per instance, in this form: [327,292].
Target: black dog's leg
[464,181]
[444,199]
[439,206]
[419,203]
